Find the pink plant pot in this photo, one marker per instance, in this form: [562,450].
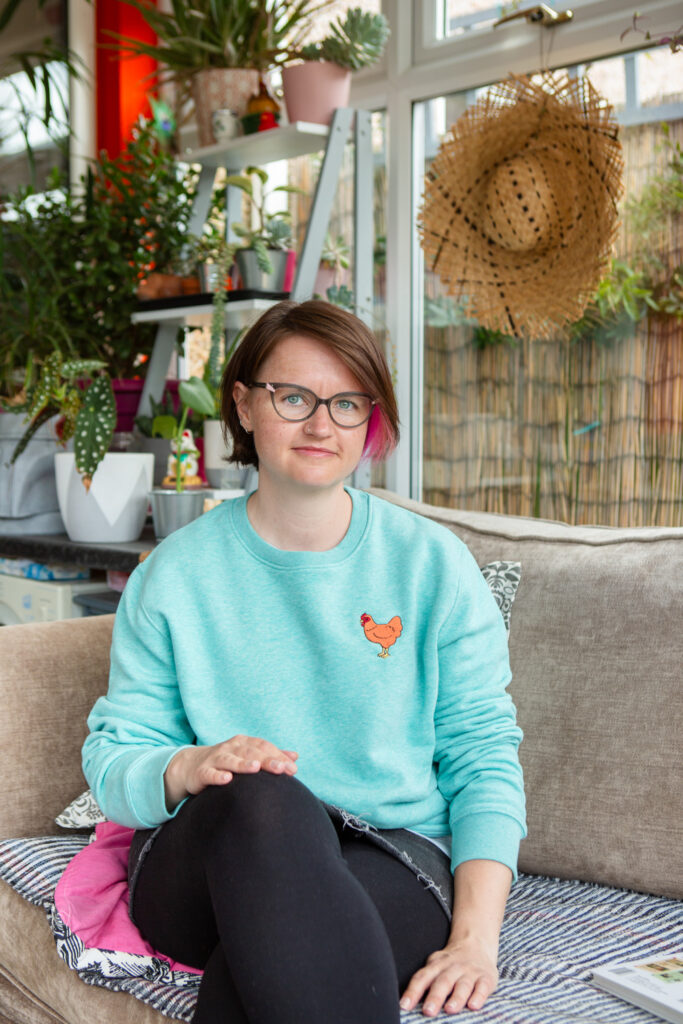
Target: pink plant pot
[313,90]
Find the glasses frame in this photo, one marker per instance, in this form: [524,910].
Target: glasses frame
[271,387]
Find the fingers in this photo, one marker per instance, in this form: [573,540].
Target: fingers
[245,754]
[447,983]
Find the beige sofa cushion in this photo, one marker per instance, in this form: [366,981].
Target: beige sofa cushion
[596,646]
[50,676]
[43,989]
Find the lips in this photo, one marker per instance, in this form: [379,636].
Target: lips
[310,450]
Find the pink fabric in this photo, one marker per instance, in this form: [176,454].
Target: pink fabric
[92,896]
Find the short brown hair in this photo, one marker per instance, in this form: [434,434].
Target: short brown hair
[343,333]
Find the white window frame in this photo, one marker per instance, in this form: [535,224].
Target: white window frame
[417,71]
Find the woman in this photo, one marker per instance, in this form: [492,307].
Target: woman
[306,704]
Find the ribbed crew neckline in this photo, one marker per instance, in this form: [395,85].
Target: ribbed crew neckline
[265,552]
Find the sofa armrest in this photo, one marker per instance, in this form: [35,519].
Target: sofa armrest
[51,673]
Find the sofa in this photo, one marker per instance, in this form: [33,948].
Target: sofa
[596,647]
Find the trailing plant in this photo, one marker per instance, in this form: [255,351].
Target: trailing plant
[673,39]
[353,43]
[80,392]
[271,230]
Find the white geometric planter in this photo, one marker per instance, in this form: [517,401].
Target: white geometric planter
[113,511]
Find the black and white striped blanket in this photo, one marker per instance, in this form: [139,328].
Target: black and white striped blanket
[554,934]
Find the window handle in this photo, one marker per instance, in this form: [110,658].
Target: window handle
[540,14]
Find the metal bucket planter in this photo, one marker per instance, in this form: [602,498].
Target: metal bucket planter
[254,279]
[114,509]
[171,510]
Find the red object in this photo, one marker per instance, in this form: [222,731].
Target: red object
[290,269]
[122,83]
[267,121]
[127,395]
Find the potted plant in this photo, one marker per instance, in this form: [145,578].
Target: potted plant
[101,493]
[315,88]
[216,51]
[334,258]
[216,442]
[73,259]
[262,257]
[180,499]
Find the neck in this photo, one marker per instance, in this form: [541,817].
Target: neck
[309,521]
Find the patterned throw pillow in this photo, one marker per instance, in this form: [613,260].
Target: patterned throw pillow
[503,579]
[83,812]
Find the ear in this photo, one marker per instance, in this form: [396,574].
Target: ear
[240,396]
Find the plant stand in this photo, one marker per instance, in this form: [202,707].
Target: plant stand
[262,148]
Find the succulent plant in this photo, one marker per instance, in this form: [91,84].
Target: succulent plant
[353,43]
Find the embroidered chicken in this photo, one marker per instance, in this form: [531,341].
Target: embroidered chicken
[385,636]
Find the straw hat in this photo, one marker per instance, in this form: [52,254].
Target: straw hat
[520,206]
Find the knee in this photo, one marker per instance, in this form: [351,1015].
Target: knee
[253,804]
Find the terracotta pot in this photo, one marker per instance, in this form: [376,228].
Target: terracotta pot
[221,89]
[313,90]
[160,286]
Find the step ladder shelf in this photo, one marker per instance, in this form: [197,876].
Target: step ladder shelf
[237,314]
[282,143]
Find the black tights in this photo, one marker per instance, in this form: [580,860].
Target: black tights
[291,919]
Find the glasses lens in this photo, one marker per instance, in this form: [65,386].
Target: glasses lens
[293,403]
[350,410]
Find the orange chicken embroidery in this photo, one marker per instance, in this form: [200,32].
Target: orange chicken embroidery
[385,636]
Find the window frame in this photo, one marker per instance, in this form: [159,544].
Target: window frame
[414,74]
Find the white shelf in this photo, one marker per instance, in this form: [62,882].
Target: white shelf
[262,147]
[237,314]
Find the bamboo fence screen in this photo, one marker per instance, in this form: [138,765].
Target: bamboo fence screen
[580,432]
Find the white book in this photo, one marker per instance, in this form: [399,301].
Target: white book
[654,984]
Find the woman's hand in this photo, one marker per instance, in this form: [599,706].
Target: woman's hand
[463,973]
[194,768]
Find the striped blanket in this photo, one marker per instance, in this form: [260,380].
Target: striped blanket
[554,934]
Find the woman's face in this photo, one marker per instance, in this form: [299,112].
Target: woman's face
[313,453]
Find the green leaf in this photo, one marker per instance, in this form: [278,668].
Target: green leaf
[94,426]
[194,394]
[164,426]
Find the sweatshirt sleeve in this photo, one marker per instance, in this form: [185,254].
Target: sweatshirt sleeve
[140,724]
[478,770]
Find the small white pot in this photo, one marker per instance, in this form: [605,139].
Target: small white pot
[218,472]
[113,511]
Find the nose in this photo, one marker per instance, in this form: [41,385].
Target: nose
[320,422]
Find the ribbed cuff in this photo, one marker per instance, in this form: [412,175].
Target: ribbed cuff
[145,792]
[487,836]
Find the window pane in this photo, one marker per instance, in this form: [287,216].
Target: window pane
[588,430]
[462,16]
[338,11]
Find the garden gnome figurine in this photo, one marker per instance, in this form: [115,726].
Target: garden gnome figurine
[186,459]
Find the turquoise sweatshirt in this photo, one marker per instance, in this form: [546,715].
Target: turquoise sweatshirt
[382,661]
